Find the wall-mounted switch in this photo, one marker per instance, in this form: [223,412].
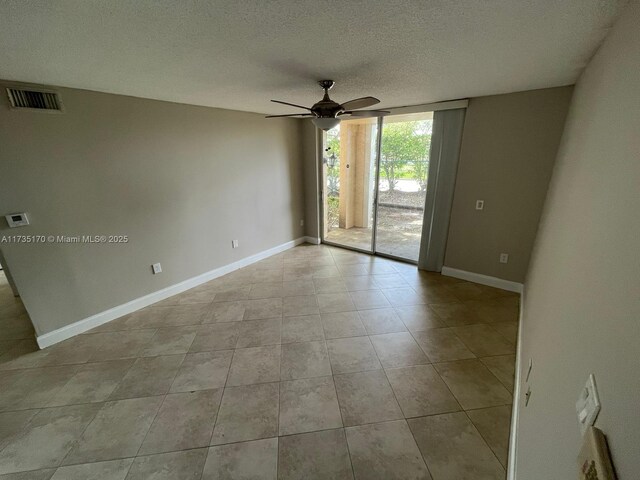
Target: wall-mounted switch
[504,258]
[156,268]
[234,243]
[479,204]
[17,220]
[588,404]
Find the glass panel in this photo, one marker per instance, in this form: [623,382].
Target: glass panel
[404,165]
[349,172]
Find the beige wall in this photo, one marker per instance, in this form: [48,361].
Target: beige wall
[508,150]
[181,181]
[582,297]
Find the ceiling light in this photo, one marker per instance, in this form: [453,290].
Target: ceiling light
[325,123]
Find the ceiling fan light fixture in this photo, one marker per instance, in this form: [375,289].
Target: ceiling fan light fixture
[326,112]
[325,123]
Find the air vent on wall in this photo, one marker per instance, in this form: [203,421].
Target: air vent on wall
[34,99]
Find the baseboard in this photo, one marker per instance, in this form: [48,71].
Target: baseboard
[483,279]
[515,411]
[81,326]
[312,240]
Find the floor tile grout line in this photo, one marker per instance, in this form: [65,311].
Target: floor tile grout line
[465,343]
[110,360]
[134,364]
[479,359]
[485,440]
[124,374]
[278,430]
[344,433]
[184,356]
[121,458]
[346,441]
[438,374]
[498,355]
[224,387]
[80,404]
[18,434]
[76,464]
[76,442]
[349,426]
[388,381]
[164,397]
[426,464]
[506,387]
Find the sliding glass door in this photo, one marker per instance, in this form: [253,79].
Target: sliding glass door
[374,183]
[349,177]
[402,184]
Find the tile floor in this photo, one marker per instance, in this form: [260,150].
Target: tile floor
[318,363]
[16,331]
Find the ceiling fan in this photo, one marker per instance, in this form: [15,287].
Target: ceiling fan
[326,113]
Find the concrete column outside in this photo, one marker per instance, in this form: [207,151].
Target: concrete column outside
[355,173]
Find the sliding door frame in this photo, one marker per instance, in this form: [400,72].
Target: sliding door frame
[374,227]
[430,107]
[323,186]
[377,196]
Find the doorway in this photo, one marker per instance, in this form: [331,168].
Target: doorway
[349,175]
[16,330]
[374,179]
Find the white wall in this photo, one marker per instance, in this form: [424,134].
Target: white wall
[181,181]
[582,297]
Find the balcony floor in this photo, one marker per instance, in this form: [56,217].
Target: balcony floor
[399,232]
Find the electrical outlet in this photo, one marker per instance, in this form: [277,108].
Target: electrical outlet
[479,204]
[156,268]
[504,258]
[302,223]
[234,243]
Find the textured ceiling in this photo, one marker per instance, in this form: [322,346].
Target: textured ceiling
[238,54]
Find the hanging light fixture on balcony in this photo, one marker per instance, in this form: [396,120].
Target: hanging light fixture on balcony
[331,161]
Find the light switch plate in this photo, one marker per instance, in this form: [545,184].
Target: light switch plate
[17,220]
[479,204]
[588,404]
[156,268]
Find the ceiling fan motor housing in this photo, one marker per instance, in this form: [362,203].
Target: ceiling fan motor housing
[326,108]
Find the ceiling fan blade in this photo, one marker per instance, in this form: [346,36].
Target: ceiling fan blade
[292,115]
[291,104]
[357,103]
[366,113]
